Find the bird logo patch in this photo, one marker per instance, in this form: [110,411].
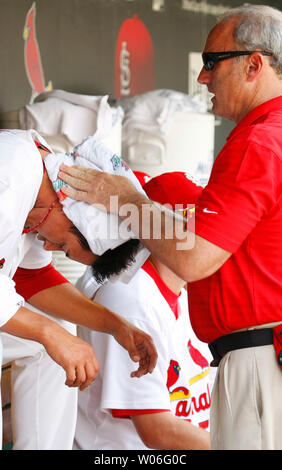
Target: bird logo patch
[172,373]
[2,261]
[196,356]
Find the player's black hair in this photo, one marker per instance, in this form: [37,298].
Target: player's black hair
[112,262]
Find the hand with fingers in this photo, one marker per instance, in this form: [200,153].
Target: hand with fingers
[95,187]
[139,346]
[75,356]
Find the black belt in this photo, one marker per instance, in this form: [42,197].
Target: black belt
[239,340]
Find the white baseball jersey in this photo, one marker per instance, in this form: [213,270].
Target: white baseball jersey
[21,172]
[179,383]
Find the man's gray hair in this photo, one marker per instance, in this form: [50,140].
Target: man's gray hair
[258,27]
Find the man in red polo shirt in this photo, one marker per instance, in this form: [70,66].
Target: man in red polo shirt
[234,264]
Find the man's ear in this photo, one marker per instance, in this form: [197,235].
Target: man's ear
[255,63]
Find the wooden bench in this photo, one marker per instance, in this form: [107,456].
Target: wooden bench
[6,406]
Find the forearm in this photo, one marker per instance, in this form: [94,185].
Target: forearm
[29,325]
[161,231]
[164,233]
[67,302]
[164,431]
[75,356]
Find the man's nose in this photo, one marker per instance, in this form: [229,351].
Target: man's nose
[48,246]
[204,76]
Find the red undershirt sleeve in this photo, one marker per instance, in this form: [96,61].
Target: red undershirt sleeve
[125,414]
[31,281]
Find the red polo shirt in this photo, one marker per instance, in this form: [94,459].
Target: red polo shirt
[240,210]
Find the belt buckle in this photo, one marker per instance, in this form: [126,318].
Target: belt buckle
[215,362]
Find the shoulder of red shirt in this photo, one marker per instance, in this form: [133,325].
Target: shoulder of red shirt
[31,281]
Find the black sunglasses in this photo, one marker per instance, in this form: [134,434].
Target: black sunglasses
[212,58]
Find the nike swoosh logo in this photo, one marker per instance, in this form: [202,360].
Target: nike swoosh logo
[208,211]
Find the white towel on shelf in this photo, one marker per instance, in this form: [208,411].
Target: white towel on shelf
[154,111]
[74,116]
[102,230]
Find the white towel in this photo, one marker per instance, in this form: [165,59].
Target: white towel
[102,230]
[70,115]
[154,111]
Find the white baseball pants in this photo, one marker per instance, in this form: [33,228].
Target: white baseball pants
[43,408]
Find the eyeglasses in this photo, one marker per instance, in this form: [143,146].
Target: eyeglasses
[31,229]
[212,58]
